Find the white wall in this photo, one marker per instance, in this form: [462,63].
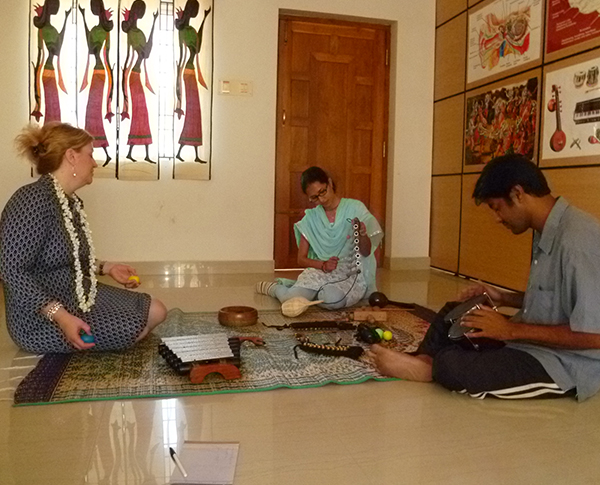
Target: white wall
[231,217]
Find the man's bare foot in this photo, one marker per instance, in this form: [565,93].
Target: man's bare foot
[404,366]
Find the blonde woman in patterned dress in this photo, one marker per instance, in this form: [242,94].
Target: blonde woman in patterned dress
[47,260]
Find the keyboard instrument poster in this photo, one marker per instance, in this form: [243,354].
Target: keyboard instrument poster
[571,22]
[503,35]
[571,112]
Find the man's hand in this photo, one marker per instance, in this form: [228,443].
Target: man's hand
[488,323]
[494,293]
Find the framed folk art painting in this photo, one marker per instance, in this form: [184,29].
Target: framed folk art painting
[53,74]
[97,33]
[501,119]
[136,74]
[193,89]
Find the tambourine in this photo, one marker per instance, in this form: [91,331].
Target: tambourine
[454,316]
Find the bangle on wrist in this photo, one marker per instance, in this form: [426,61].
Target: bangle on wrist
[101,268]
[323,267]
[52,310]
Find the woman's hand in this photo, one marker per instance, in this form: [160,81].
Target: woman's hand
[330,264]
[122,273]
[363,229]
[364,242]
[71,327]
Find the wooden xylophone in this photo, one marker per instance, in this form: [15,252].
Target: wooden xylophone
[200,355]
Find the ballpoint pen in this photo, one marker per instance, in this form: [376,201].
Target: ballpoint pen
[175,458]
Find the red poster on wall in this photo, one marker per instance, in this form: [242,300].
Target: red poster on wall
[571,22]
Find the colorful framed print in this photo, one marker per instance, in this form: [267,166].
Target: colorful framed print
[504,37]
[571,27]
[53,69]
[571,112]
[96,67]
[193,28]
[136,74]
[139,61]
[502,119]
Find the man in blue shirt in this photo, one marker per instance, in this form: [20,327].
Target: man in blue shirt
[551,346]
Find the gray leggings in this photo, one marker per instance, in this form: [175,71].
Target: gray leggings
[333,298]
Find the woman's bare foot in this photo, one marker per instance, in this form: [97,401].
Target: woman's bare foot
[404,366]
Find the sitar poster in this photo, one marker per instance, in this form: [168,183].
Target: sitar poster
[571,111]
[503,35]
[571,22]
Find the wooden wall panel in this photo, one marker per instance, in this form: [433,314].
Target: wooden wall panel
[446,9]
[466,238]
[448,135]
[580,186]
[488,250]
[450,57]
[445,222]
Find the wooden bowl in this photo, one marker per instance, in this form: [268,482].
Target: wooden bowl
[238,316]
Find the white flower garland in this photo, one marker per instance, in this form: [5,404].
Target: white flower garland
[85,303]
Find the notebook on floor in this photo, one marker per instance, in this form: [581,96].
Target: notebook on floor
[206,463]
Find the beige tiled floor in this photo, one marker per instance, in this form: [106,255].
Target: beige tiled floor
[373,433]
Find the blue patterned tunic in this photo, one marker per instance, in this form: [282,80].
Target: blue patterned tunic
[36,268]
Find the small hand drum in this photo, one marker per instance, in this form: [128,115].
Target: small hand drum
[238,316]
[457,331]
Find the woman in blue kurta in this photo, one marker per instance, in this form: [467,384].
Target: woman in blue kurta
[336,244]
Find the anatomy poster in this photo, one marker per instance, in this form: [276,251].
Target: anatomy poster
[571,22]
[503,35]
[501,121]
[571,112]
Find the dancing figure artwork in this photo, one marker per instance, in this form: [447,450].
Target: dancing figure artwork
[138,51]
[190,42]
[501,122]
[98,45]
[49,45]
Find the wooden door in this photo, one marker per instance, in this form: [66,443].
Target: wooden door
[332,109]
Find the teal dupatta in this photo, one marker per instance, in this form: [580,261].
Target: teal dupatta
[328,239]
